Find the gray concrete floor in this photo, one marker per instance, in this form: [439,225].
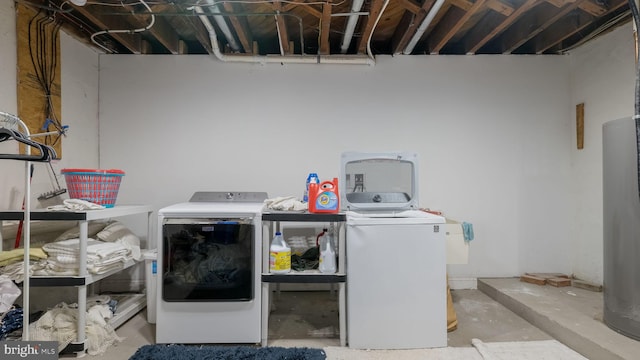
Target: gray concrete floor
[571,315]
[501,310]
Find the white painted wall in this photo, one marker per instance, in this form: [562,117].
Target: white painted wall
[492,132]
[10,171]
[603,78]
[80,81]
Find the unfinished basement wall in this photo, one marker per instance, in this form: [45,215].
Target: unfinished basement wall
[79,79]
[603,78]
[478,160]
[492,132]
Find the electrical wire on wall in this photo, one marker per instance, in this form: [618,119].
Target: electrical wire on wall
[636,116]
[43,51]
[42,35]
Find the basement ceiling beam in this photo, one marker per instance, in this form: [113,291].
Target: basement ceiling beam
[560,3]
[550,38]
[462,4]
[411,6]
[161,29]
[281,25]
[301,4]
[495,5]
[374,12]
[408,26]
[500,7]
[240,26]
[133,42]
[453,21]
[532,25]
[201,33]
[324,47]
[547,38]
[486,30]
[592,8]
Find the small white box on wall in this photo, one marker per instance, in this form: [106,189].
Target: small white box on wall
[457,248]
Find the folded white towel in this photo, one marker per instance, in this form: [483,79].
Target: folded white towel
[94,247]
[105,268]
[75,205]
[15,271]
[72,269]
[64,257]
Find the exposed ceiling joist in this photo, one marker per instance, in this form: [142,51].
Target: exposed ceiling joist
[281,25]
[132,42]
[450,24]
[487,30]
[330,28]
[325,26]
[240,25]
[374,13]
[409,25]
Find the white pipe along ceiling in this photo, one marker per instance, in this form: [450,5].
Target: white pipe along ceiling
[423,27]
[214,9]
[351,25]
[289,59]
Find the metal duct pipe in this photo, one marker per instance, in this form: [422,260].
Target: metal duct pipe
[290,59]
[213,8]
[423,27]
[351,25]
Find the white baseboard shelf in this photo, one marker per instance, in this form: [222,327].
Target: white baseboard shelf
[128,306]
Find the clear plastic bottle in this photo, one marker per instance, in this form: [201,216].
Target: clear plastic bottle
[279,255]
[327,254]
[312,178]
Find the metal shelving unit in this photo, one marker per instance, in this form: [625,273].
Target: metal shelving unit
[272,220]
[128,306]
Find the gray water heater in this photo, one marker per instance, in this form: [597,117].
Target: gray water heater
[621,220]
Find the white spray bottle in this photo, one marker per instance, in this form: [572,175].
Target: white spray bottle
[327,255]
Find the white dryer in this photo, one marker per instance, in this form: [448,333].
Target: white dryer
[209,268]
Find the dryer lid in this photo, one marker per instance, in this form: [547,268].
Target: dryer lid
[379,181]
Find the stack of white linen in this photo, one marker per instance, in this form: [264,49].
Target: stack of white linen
[12,264]
[102,257]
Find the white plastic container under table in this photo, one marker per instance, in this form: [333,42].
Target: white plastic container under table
[151,282]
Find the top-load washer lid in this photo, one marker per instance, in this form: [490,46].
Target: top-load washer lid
[379,181]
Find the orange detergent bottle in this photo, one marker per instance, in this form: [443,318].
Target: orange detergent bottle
[324,197]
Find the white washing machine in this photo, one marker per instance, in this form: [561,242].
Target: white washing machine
[396,287]
[209,269]
[395,256]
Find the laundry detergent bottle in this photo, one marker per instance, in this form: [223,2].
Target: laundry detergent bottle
[279,255]
[324,197]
